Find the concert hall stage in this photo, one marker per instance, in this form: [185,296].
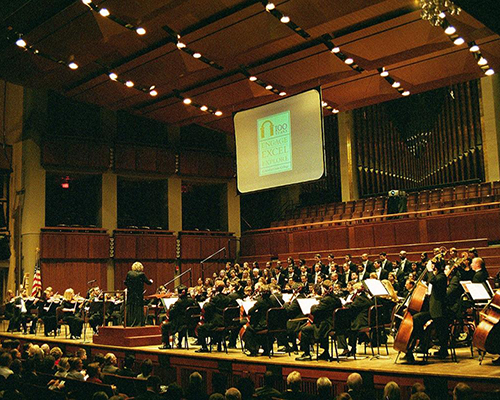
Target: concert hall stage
[176,365]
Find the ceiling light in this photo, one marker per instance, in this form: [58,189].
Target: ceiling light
[336,49]
[349,61]
[87,2]
[203,108]
[186,101]
[20,42]
[490,72]
[282,93]
[285,19]
[324,103]
[474,48]
[104,12]
[140,31]
[384,73]
[153,93]
[459,41]
[406,93]
[442,15]
[253,78]
[270,6]
[73,65]
[450,30]
[269,87]
[482,61]
[113,76]
[218,113]
[180,45]
[129,84]
[196,55]
[335,111]
[396,84]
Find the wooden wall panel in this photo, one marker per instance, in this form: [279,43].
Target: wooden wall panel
[165,162]
[188,163]
[279,243]
[125,158]
[190,246]
[125,246]
[98,246]
[146,159]
[384,234]
[438,229]
[462,227]
[406,232]
[262,244]
[167,247]
[207,164]
[301,241]
[209,245]
[121,269]
[318,240]
[77,246]
[338,238]
[363,236]
[248,245]
[53,245]
[147,247]
[488,224]
[165,272]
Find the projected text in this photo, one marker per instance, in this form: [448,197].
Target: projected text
[275,143]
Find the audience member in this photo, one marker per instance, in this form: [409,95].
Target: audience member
[195,389]
[94,373]
[246,388]
[152,389]
[100,396]
[355,386]
[128,365]
[75,368]
[419,396]
[146,369]
[110,362]
[233,394]
[267,392]
[5,361]
[294,386]
[462,392]
[392,391]
[324,388]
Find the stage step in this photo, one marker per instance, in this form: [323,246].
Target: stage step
[129,336]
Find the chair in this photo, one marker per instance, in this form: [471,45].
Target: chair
[231,318]
[192,317]
[375,326]
[341,327]
[276,319]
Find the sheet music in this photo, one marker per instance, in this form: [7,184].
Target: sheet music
[376,287]
[477,291]
[306,305]
[246,304]
[202,303]
[287,297]
[168,302]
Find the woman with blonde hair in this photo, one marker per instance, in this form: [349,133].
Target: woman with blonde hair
[69,307]
[135,280]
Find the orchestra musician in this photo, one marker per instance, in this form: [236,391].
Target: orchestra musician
[437,311]
[68,308]
[177,319]
[318,329]
[47,311]
[134,282]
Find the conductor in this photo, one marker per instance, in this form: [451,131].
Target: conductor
[134,282]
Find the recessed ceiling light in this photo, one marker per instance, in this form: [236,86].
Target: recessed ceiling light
[336,49]
[442,15]
[180,45]
[349,61]
[282,93]
[459,41]
[196,55]
[406,93]
[490,71]
[270,6]
[104,12]
[129,84]
[474,48]
[153,93]
[384,73]
[450,30]
[87,2]
[269,87]
[218,113]
[141,31]
[113,76]
[20,42]
[396,84]
[187,100]
[324,103]
[203,108]
[285,19]
[335,111]
[253,78]
[482,61]
[73,65]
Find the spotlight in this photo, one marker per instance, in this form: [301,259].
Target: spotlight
[20,42]
[129,84]
[490,72]
[269,87]
[406,93]
[140,31]
[113,76]
[282,93]
[153,93]
[86,2]
[336,49]
[104,12]
[384,73]
[285,19]
[335,111]
[180,45]
[450,30]
[482,61]
[203,108]
[218,113]
[73,65]
[474,48]
[459,41]
[396,84]
[270,6]
[324,103]
[349,61]
[196,55]
[187,100]
[442,15]
[252,78]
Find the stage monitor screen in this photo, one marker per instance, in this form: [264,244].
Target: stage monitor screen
[280,143]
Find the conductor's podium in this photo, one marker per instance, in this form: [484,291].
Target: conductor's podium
[129,336]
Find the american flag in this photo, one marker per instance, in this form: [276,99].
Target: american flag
[37,280]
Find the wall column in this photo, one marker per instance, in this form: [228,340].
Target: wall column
[233,213]
[490,96]
[109,219]
[348,172]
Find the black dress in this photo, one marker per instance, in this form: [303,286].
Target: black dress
[134,282]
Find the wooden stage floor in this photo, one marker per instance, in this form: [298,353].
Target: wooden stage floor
[439,375]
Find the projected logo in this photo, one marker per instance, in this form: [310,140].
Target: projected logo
[275,144]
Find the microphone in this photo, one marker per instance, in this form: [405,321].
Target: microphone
[92,281]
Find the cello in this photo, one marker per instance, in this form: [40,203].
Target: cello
[485,335]
[415,303]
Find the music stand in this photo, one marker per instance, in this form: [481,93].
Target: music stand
[376,289]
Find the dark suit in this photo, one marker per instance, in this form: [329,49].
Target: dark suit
[177,319]
[134,282]
[382,273]
[387,265]
[212,312]
[359,314]
[258,322]
[480,276]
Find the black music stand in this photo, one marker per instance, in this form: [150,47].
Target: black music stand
[376,289]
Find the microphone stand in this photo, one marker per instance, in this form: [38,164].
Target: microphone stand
[208,258]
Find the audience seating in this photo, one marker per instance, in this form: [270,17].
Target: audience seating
[435,199]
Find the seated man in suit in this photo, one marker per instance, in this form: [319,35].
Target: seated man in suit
[177,319]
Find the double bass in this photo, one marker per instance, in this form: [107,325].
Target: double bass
[415,304]
[485,335]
